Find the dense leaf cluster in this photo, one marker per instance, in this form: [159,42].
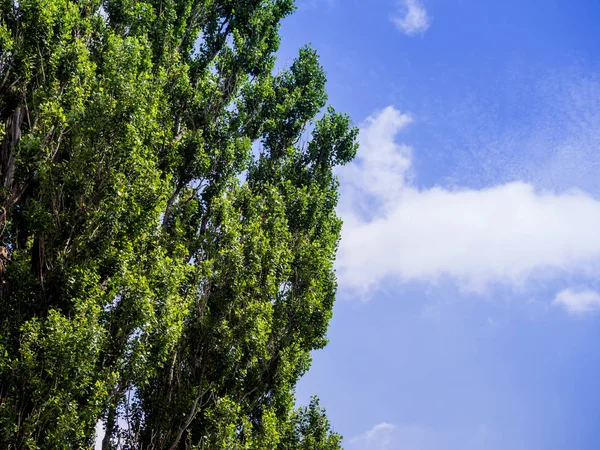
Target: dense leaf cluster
[167,225]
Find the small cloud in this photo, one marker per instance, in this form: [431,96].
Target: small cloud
[99,435]
[412,18]
[387,436]
[312,4]
[578,303]
[379,437]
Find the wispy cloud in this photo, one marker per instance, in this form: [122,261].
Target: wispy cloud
[503,233]
[379,437]
[578,303]
[311,4]
[412,18]
[387,436]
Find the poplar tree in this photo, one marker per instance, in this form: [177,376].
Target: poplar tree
[167,225]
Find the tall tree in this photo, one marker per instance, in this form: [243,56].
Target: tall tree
[167,225]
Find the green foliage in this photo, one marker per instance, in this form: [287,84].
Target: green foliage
[308,429]
[142,282]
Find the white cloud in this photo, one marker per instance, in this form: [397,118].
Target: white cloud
[311,4]
[99,435]
[377,438]
[387,436]
[502,233]
[412,18]
[578,303]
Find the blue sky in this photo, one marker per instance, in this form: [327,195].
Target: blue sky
[467,316]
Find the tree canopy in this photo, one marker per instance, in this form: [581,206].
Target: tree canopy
[167,224]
